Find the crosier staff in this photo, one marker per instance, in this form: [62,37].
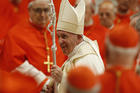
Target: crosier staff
[54,48]
[53,23]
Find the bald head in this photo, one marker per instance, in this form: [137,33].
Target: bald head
[34,2]
[107,13]
[108,5]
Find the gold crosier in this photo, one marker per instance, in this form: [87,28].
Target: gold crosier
[48,53]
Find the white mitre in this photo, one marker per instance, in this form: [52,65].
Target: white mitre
[71,19]
[86,2]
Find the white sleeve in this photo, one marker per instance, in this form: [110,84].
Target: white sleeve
[27,69]
[93,62]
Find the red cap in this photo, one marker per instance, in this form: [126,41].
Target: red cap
[81,78]
[124,36]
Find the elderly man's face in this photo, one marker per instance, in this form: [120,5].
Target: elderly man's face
[107,16]
[39,13]
[67,41]
[123,5]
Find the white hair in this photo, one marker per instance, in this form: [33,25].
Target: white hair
[109,4]
[37,1]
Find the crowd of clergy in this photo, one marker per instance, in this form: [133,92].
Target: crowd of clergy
[98,46]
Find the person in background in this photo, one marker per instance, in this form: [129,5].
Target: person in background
[124,12]
[11,13]
[107,14]
[79,82]
[120,75]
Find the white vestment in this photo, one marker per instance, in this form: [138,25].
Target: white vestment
[84,54]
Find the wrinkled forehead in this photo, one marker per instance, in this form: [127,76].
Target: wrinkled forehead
[110,7]
[64,32]
[108,11]
[40,4]
[107,5]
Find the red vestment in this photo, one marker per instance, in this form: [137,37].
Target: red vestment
[10,15]
[120,80]
[26,42]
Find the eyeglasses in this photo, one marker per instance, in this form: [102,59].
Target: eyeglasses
[106,14]
[40,10]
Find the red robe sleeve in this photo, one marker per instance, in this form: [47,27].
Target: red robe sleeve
[12,55]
